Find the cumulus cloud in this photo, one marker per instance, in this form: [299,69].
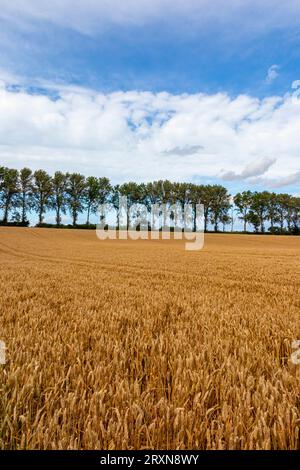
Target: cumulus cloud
[272,74]
[255,168]
[145,135]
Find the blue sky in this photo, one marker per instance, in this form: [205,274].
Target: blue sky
[176,55]
[194,90]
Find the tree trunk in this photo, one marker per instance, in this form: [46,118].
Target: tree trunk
[205,220]
[128,219]
[41,215]
[41,209]
[58,217]
[262,227]
[5,216]
[281,224]
[74,218]
[24,208]
[88,215]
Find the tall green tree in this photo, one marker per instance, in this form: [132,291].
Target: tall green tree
[296,214]
[284,203]
[135,194]
[26,192]
[220,205]
[289,213]
[59,195]
[105,191]
[260,207]
[76,195]
[206,195]
[243,202]
[154,193]
[198,194]
[182,195]
[273,214]
[92,195]
[42,192]
[9,190]
[98,191]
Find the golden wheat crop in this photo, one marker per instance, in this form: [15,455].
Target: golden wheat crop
[134,345]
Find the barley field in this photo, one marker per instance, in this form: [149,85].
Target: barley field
[143,345]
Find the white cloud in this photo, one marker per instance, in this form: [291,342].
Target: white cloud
[288,180]
[256,168]
[143,135]
[272,74]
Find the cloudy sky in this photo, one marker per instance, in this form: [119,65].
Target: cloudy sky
[196,90]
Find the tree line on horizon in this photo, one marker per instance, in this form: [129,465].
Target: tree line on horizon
[24,191]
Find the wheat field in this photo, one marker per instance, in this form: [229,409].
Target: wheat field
[143,345]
